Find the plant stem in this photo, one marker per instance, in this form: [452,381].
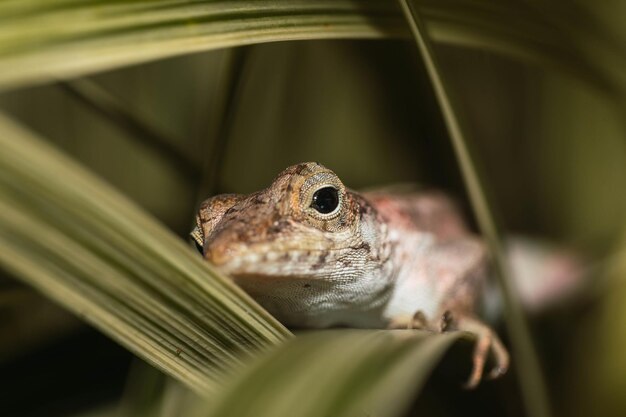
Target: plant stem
[531,380]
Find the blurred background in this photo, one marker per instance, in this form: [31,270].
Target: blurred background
[550,143]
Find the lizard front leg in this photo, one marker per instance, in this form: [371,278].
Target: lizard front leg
[487,341]
[449,276]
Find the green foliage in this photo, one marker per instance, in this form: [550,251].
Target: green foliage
[335,374]
[81,243]
[531,379]
[42,40]
[165,133]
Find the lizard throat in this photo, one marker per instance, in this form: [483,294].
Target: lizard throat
[354,298]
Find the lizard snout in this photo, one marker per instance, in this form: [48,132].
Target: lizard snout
[219,255]
[229,256]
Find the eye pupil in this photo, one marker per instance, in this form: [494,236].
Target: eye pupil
[325,200]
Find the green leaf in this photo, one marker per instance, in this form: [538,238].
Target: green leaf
[335,373]
[532,384]
[82,244]
[43,40]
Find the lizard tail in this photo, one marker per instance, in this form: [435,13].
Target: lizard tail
[543,275]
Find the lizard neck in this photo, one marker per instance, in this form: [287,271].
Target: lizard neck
[412,244]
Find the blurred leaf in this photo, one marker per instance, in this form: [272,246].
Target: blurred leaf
[28,321]
[229,91]
[335,373]
[43,40]
[82,244]
[531,381]
[595,372]
[105,104]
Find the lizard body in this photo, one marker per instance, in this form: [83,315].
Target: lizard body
[316,254]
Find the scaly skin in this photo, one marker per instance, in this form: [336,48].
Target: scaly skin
[377,260]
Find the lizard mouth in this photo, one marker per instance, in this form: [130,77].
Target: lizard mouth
[298,263]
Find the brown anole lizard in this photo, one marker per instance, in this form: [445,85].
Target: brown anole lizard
[316,254]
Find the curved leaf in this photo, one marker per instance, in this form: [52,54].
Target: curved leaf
[533,388]
[43,40]
[335,373]
[82,244]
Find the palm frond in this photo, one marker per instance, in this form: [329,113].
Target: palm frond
[42,41]
[335,373]
[530,375]
[82,244]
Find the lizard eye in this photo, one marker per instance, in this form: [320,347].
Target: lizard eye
[325,200]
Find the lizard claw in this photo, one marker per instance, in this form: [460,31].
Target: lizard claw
[417,321]
[447,321]
[497,371]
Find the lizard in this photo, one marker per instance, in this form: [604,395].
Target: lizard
[316,254]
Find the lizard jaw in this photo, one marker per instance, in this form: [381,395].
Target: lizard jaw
[274,262]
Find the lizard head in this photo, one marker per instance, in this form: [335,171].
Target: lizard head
[304,233]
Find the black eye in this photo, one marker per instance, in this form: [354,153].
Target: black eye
[325,200]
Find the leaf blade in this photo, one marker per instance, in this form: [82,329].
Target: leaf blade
[42,42]
[335,373]
[75,239]
[531,381]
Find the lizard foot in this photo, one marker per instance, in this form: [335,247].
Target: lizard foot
[417,321]
[487,342]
